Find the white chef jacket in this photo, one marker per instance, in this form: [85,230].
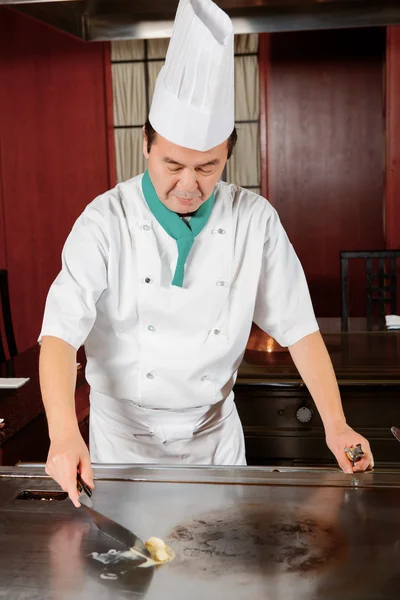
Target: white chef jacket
[162,360]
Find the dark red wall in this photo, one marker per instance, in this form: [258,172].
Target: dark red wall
[324,157]
[55,153]
[393,138]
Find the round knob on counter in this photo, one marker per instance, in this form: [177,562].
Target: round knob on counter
[304,414]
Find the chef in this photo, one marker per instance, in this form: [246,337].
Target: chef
[161,279]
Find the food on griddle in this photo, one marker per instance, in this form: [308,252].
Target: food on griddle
[160,552]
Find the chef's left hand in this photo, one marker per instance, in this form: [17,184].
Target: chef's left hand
[339,437]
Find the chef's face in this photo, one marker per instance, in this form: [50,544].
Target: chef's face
[183,178]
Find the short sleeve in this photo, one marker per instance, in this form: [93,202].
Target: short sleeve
[70,310]
[283,306]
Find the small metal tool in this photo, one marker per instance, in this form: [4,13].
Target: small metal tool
[354,454]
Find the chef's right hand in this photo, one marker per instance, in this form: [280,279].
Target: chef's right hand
[66,457]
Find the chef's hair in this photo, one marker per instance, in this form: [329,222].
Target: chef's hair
[151,135]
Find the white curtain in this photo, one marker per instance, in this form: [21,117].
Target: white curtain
[135,66]
[244,166]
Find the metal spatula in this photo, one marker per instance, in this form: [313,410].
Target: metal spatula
[105,525]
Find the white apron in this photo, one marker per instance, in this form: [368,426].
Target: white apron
[127,433]
[162,360]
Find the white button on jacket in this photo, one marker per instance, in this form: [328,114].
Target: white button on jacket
[103,298]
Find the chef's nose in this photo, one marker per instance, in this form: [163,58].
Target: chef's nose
[188,180]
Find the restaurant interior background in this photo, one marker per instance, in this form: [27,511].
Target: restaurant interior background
[318,118]
[319,135]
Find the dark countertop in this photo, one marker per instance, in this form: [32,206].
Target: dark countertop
[21,406]
[238,533]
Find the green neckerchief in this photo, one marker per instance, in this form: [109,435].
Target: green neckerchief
[184,233]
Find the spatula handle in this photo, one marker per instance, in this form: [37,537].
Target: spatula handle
[81,485]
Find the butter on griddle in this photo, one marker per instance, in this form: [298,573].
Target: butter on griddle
[160,552]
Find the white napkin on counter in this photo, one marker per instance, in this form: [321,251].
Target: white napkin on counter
[12,383]
[392,321]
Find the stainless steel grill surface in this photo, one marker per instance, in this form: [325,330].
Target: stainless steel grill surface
[238,533]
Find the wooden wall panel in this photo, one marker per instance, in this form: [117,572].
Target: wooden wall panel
[393,138]
[109,105]
[55,153]
[3,263]
[325,139]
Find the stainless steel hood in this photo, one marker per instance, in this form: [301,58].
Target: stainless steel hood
[96,20]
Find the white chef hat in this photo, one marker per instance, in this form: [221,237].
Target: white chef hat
[193,102]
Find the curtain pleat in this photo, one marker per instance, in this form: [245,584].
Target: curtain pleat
[244,165]
[129,153]
[127,50]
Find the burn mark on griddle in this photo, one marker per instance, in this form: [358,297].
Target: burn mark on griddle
[198,552]
[216,535]
[305,526]
[181,533]
[256,538]
[327,550]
